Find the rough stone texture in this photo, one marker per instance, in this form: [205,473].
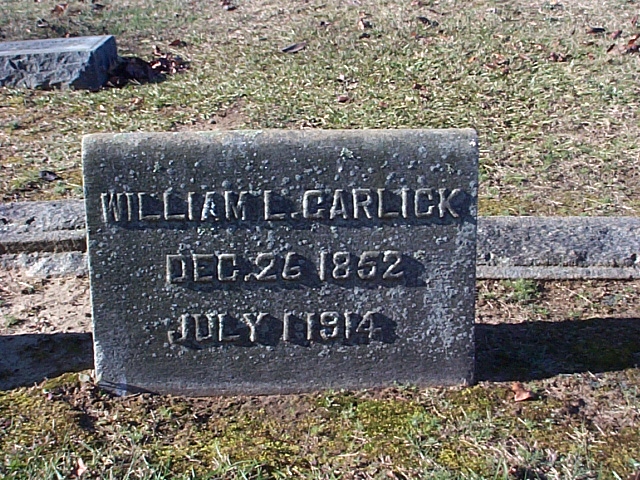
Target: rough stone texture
[42,227]
[157,331]
[47,264]
[559,247]
[79,62]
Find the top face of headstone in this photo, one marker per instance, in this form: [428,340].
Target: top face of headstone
[281,261]
[53,45]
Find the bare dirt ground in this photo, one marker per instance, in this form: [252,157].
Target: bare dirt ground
[38,305]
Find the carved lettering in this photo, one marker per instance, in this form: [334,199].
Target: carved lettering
[113,205]
[224,337]
[341,265]
[168,215]
[311,324]
[203,263]
[339,206]
[419,197]
[235,210]
[268,208]
[209,207]
[267,263]
[200,330]
[382,213]
[176,269]
[143,200]
[187,331]
[367,325]
[330,327]
[359,204]
[362,200]
[318,214]
[368,265]
[405,202]
[225,261]
[252,322]
[191,205]
[445,202]
[290,271]
[393,271]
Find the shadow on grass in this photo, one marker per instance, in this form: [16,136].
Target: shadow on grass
[29,359]
[505,352]
[536,350]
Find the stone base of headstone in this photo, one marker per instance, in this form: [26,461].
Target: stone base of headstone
[79,63]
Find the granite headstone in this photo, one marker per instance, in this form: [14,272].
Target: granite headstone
[281,261]
[77,62]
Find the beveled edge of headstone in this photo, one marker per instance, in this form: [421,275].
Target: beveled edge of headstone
[54,45]
[90,140]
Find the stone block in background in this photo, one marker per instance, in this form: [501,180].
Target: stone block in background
[78,62]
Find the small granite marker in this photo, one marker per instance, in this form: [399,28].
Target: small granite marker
[78,62]
[281,261]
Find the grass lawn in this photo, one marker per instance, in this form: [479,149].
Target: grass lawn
[554,97]
[556,113]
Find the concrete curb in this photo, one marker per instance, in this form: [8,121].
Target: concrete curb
[545,248]
[42,227]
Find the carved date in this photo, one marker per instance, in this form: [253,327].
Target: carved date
[265,267]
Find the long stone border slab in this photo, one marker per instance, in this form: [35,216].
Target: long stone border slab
[542,248]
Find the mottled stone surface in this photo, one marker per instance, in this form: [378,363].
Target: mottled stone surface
[78,62]
[281,261]
[42,227]
[559,247]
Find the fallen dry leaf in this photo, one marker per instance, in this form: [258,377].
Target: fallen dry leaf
[295,47]
[227,5]
[49,176]
[60,8]
[521,394]
[595,30]
[170,64]
[426,22]
[613,48]
[82,468]
[615,35]
[178,43]
[634,476]
[558,57]
[343,98]
[363,22]
[634,20]
[573,407]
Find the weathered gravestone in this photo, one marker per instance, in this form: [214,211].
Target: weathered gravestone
[79,62]
[281,261]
